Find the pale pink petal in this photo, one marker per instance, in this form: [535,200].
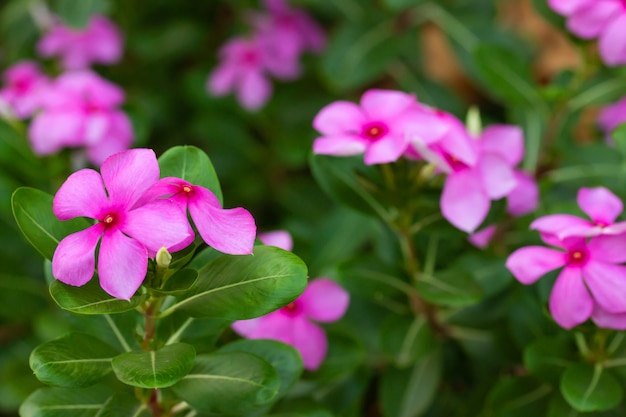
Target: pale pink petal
[161,223]
[324,300]
[386,149]
[464,203]
[52,130]
[504,140]
[457,142]
[608,320]
[524,198]
[118,139]
[222,80]
[612,115]
[310,340]
[482,238]
[556,224]
[230,231]
[73,262]
[614,229]
[567,7]
[608,248]
[122,264]
[421,124]
[106,45]
[276,326]
[570,302]
[279,238]
[81,195]
[550,239]
[497,175]
[612,43]
[254,90]
[607,283]
[340,118]
[385,105]
[530,263]
[339,145]
[95,128]
[589,21]
[127,175]
[600,204]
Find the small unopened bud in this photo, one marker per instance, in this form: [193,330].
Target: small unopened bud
[426,173]
[163,258]
[473,122]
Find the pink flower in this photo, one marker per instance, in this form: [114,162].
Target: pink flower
[24,85]
[80,109]
[524,198]
[378,127]
[612,116]
[481,238]
[323,301]
[230,231]
[590,281]
[128,233]
[99,42]
[279,238]
[602,207]
[605,19]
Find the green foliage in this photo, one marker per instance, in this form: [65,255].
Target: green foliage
[65,402]
[590,388]
[90,299]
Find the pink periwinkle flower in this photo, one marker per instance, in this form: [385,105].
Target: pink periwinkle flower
[80,109]
[612,116]
[279,238]
[229,231]
[602,19]
[128,233]
[602,207]
[24,85]
[482,237]
[99,42]
[591,283]
[323,301]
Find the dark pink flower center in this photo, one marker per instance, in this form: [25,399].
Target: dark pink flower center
[374,130]
[600,223]
[110,220]
[21,85]
[291,309]
[455,164]
[90,107]
[250,57]
[577,257]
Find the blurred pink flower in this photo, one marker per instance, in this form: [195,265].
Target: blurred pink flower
[99,42]
[279,238]
[481,238]
[590,275]
[323,301]
[602,19]
[128,233]
[612,116]
[24,85]
[230,231]
[79,109]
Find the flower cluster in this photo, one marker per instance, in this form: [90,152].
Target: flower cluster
[279,36]
[387,125]
[323,300]
[592,283]
[135,215]
[591,19]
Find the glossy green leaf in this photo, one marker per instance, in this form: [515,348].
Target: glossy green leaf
[65,402]
[243,287]
[231,383]
[73,360]
[154,369]
[124,405]
[451,288]
[77,13]
[179,282]
[590,388]
[90,299]
[33,213]
[409,392]
[406,339]
[190,164]
[548,358]
[519,397]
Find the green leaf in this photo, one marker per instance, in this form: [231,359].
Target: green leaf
[519,397]
[548,358]
[397,5]
[192,165]
[179,283]
[590,388]
[73,360]
[33,213]
[243,287]
[154,369]
[21,298]
[77,13]
[90,299]
[599,91]
[619,138]
[229,383]
[124,405]
[65,402]
[409,392]
[406,339]
[450,288]
[345,354]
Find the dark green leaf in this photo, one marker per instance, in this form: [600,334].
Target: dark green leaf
[406,339]
[590,388]
[65,402]
[519,397]
[548,358]
[73,360]
[124,405]
[90,299]
[230,383]
[619,138]
[178,283]
[451,288]
[77,13]
[154,369]
[33,213]
[345,354]
[397,5]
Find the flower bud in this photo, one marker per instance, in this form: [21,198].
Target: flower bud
[163,258]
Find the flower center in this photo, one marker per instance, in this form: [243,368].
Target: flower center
[250,57]
[187,189]
[21,85]
[600,223]
[109,220]
[577,257]
[291,309]
[455,163]
[374,130]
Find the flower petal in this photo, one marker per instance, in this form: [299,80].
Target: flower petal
[324,300]
[600,204]
[524,198]
[385,104]
[464,203]
[608,320]
[279,238]
[608,248]
[504,140]
[122,264]
[339,118]
[387,149]
[607,283]
[81,195]
[339,145]
[310,340]
[567,7]
[222,80]
[230,231]
[73,262]
[589,21]
[570,302]
[52,130]
[254,90]
[557,224]
[497,176]
[530,263]
[612,43]
[482,238]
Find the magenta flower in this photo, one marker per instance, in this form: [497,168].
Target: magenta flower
[230,231]
[378,127]
[590,276]
[524,198]
[279,238]
[602,207]
[128,233]
[481,238]
[100,42]
[590,19]
[80,109]
[24,86]
[612,116]
[323,301]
